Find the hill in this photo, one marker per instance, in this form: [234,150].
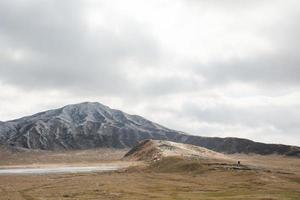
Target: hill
[93,125]
[153,150]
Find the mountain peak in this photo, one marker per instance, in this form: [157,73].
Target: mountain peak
[91,111]
[87,103]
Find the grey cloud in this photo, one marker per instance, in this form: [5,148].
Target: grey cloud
[65,54]
[259,116]
[229,4]
[269,70]
[170,85]
[275,68]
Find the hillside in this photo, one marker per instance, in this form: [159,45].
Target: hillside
[93,125]
[152,150]
[80,126]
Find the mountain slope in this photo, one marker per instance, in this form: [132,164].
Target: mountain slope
[232,145]
[90,125]
[80,126]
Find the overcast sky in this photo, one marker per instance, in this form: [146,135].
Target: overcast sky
[211,68]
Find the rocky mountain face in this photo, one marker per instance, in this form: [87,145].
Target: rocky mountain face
[91,125]
[80,126]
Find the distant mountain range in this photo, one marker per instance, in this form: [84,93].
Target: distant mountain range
[92,125]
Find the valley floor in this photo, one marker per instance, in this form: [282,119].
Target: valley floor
[270,177]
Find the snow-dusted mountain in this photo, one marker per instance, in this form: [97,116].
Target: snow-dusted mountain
[91,125]
[78,126]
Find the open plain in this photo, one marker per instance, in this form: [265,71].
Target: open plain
[258,177]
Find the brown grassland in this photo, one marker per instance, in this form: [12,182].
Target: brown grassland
[260,177]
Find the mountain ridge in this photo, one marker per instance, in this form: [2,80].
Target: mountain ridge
[92,125]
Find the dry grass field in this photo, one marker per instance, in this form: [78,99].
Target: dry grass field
[262,177]
[61,157]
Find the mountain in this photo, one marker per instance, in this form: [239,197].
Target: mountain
[80,126]
[91,125]
[232,145]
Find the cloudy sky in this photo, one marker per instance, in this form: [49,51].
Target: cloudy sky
[206,67]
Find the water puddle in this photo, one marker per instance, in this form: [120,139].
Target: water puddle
[55,170]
